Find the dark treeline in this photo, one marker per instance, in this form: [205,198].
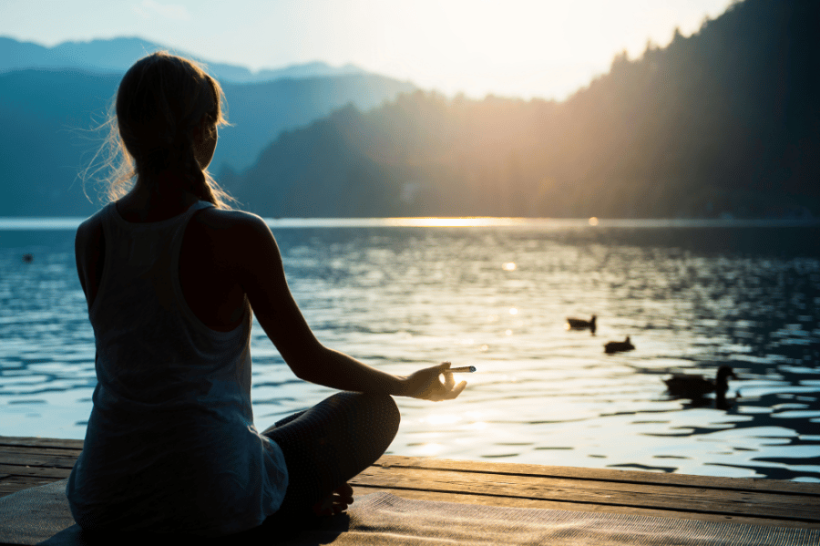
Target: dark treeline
[726,121]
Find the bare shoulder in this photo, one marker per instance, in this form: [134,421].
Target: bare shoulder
[89,252]
[232,236]
[229,223]
[89,233]
[90,225]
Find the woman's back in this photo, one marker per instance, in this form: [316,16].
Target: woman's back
[172,404]
[207,275]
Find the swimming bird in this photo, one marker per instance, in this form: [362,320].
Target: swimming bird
[618,346]
[28,258]
[697,385]
[581,324]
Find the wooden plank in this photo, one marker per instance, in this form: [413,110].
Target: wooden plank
[39,451]
[12,484]
[27,462]
[789,507]
[386,461]
[40,442]
[600,474]
[25,459]
[35,480]
[6,490]
[40,471]
[361,490]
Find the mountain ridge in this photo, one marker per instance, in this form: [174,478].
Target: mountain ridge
[724,123]
[116,55]
[50,116]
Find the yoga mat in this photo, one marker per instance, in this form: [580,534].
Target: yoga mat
[40,515]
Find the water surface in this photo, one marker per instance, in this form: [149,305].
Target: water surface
[401,294]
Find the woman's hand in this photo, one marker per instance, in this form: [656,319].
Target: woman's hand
[426,384]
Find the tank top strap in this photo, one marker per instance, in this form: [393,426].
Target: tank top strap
[179,230]
[129,244]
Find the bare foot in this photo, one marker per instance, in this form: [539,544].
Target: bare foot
[336,502]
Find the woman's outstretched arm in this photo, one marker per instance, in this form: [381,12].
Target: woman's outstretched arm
[262,276]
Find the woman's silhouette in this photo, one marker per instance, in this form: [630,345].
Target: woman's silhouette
[172,276]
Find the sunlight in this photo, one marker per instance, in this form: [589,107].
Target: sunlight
[509,266]
[468,221]
[442,419]
[593,221]
[429,449]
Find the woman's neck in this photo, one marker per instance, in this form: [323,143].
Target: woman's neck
[152,202]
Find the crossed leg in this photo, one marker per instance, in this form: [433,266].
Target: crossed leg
[327,445]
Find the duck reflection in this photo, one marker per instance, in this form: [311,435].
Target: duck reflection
[720,401]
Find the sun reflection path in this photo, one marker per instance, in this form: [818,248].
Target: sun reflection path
[469,221]
[429,449]
[442,419]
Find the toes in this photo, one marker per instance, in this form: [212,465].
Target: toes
[336,502]
[345,493]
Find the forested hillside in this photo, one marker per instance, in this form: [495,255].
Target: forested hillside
[725,122]
[47,118]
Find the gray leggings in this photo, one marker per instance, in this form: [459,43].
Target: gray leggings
[327,445]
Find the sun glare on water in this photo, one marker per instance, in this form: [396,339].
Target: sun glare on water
[468,221]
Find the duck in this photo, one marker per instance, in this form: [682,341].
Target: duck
[696,385]
[618,346]
[581,324]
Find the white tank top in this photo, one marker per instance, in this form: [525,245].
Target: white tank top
[170,444]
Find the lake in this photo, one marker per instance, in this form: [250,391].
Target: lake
[494,293]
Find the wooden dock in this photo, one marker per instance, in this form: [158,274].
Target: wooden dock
[29,462]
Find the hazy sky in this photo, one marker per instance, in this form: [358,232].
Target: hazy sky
[543,48]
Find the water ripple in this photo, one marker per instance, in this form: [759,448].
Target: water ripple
[497,298]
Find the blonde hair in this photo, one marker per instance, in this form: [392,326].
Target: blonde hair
[160,101]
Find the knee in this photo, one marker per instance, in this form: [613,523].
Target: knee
[376,408]
[389,411]
[384,420]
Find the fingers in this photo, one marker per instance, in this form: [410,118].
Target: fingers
[428,384]
[450,389]
[454,392]
[448,392]
[449,381]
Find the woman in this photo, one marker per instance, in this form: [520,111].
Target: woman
[172,277]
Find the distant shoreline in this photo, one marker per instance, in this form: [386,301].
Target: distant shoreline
[66,223]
